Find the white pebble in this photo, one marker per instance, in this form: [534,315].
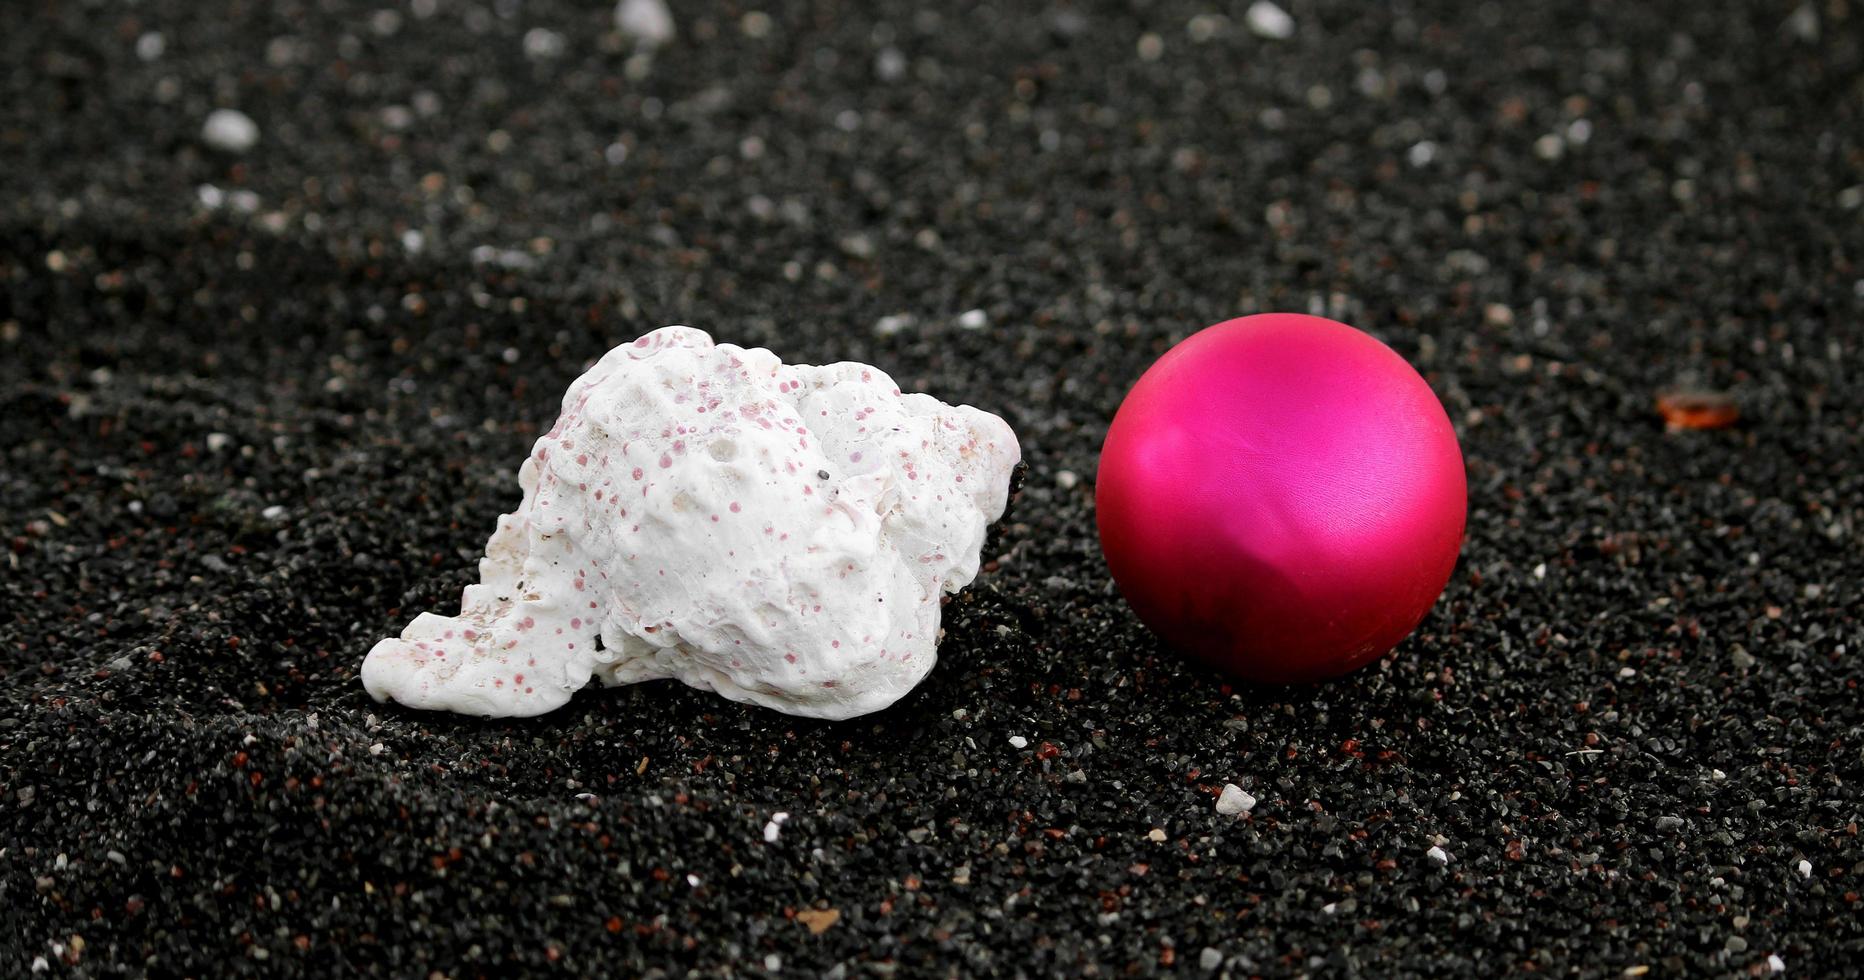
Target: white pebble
[1422,153]
[890,65]
[1328,908]
[1210,958]
[217,441]
[887,326]
[1017,741]
[1270,21]
[542,43]
[230,130]
[1549,147]
[413,240]
[1203,27]
[1438,855]
[210,196]
[1151,47]
[973,320]
[150,46]
[693,880]
[649,22]
[772,962]
[273,513]
[375,749]
[1805,869]
[774,827]
[1067,479]
[1234,801]
[1804,22]
[1775,963]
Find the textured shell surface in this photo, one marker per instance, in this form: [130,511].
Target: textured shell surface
[780,534]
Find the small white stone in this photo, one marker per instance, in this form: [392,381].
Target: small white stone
[1540,570]
[1775,963]
[230,130]
[889,325]
[973,320]
[1549,147]
[243,201]
[273,513]
[772,962]
[150,46]
[1627,672]
[774,827]
[1156,836]
[1803,23]
[692,880]
[1438,855]
[413,241]
[375,749]
[1422,153]
[1233,801]
[1017,741]
[1270,21]
[649,22]
[1328,908]
[1204,27]
[890,65]
[616,154]
[218,441]
[1805,869]
[1151,47]
[541,43]
[1210,958]
[211,197]
[1067,479]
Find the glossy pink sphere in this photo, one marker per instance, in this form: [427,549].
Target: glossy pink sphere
[1283,496]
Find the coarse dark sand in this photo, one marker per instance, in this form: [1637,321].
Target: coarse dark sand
[257,410]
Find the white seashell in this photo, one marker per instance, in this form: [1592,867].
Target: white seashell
[780,534]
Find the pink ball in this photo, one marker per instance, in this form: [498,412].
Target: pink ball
[1283,496]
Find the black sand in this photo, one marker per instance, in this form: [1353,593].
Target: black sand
[1633,723]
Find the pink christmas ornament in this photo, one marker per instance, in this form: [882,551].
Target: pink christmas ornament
[1283,496]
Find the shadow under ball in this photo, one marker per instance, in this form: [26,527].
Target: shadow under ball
[1282,496]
